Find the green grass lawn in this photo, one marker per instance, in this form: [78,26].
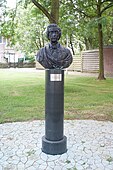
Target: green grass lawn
[22,97]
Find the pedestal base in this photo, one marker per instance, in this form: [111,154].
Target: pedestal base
[54,147]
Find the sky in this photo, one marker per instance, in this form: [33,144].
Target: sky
[11,3]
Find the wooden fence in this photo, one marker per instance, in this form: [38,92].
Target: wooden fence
[90,61]
[76,64]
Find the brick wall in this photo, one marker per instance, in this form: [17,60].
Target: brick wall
[108,60]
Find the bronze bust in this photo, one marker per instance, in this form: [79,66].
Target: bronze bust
[53,55]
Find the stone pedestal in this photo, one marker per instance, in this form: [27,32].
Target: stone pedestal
[54,142]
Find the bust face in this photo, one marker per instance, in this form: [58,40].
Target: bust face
[53,34]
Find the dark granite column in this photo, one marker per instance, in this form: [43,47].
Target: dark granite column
[54,142]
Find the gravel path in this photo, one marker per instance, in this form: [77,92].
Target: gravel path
[89,143]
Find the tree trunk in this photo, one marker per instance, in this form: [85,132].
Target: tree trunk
[86,43]
[100,39]
[72,44]
[101,58]
[55,10]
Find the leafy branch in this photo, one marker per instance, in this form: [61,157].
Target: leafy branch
[44,10]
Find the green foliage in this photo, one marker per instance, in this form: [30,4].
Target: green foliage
[25,28]
[8,25]
[85,17]
[108,29]
[29,32]
[31,59]
[25,25]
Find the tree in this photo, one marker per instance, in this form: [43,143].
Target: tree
[102,6]
[93,11]
[8,25]
[24,27]
[88,9]
[53,15]
[29,33]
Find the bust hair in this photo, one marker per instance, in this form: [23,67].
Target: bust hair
[52,26]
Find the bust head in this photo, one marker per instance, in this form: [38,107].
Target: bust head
[53,32]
